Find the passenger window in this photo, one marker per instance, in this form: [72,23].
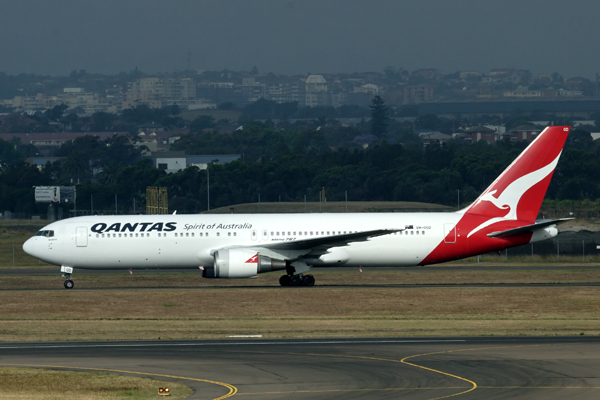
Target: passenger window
[218,233]
[97,235]
[193,234]
[136,235]
[200,234]
[289,234]
[159,235]
[412,233]
[188,234]
[234,234]
[114,235]
[228,233]
[422,232]
[175,234]
[164,234]
[206,234]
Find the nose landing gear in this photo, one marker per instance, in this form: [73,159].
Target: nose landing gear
[67,271]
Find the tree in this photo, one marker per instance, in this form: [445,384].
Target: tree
[75,165]
[202,122]
[56,112]
[379,116]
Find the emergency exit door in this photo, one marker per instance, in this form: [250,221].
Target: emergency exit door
[81,237]
[449,233]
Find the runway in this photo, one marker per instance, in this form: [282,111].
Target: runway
[387,368]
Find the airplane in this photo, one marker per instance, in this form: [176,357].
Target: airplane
[245,245]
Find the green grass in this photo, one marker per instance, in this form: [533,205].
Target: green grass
[45,384]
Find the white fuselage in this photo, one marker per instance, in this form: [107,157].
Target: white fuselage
[189,241]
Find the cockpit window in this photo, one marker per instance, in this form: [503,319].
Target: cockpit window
[45,233]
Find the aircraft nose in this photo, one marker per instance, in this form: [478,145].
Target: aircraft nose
[29,247]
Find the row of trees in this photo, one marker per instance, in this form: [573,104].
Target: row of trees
[287,166]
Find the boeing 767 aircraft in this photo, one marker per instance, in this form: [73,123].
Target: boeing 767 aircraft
[244,245]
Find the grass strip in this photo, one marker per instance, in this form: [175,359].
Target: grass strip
[45,384]
[296,312]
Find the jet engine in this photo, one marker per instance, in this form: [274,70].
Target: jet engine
[241,263]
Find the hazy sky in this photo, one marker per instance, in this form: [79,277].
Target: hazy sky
[299,36]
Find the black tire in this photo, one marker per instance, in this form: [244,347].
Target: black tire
[297,280]
[69,284]
[308,280]
[285,280]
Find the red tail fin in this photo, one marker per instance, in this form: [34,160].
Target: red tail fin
[518,192]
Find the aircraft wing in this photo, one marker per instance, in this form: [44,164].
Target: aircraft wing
[528,228]
[330,241]
[318,246]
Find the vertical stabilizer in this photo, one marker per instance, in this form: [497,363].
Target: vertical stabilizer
[517,194]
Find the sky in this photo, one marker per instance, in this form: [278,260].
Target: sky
[54,37]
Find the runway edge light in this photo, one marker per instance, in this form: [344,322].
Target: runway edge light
[163,391]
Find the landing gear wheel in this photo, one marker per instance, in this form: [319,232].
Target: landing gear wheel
[297,280]
[285,280]
[308,280]
[69,284]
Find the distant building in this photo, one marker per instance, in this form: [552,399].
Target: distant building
[47,142]
[415,94]
[434,138]
[523,132]
[40,162]
[159,92]
[477,133]
[316,91]
[174,161]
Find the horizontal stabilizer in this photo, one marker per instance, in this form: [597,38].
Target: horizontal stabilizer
[528,228]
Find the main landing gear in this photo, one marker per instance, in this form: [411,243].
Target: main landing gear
[69,284]
[293,279]
[67,271]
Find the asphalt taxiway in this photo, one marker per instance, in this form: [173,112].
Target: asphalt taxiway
[386,368]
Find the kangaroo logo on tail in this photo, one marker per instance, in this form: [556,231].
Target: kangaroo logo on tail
[510,197]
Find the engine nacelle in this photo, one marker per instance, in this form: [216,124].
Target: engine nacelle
[543,234]
[241,263]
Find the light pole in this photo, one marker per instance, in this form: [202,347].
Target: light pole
[205,166]
[207,188]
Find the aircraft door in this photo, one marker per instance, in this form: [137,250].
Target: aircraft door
[81,237]
[449,233]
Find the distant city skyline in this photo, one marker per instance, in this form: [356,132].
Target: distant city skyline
[299,36]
